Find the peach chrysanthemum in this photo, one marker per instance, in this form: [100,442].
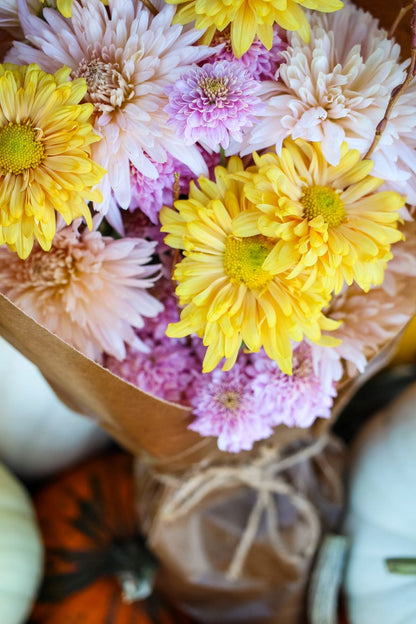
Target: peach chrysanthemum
[88,289]
[229,298]
[371,321]
[333,217]
[45,163]
[128,57]
[249,18]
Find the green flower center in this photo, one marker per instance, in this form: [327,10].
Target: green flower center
[324,201]
[244,258]
[20,148]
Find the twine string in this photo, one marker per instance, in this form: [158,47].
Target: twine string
[262,475]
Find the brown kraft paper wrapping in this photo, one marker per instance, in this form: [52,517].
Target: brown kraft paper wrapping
[138,421]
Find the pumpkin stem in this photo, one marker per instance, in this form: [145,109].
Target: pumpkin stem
[401,565]
[135,567]
[134,587]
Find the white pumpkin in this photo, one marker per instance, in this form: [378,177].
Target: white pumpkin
[39,435]
[21,551]
[381,516]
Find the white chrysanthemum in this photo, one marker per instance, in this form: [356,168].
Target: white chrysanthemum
[9,19]
[336,88]
[128,57]
[89,289]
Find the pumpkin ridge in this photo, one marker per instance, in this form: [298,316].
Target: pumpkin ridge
[89,581]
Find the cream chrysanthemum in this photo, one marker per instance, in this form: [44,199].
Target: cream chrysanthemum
[45,163]
[128,57]
[88,289]
[249,18]
[229,297]
[336,88]
[332,217]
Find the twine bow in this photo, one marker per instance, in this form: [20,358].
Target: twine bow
[263,475]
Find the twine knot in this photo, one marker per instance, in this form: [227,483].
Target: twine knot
[263,475]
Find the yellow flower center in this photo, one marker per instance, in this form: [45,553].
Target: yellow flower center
[20,148]
[213,89]
[244,258]
[229,399]
[324,201]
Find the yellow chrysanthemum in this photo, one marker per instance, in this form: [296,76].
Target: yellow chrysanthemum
[249,18]
[45,163]
[65,6]
[331,216]
[229,298]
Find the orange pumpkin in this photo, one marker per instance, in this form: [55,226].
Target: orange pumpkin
[89,528]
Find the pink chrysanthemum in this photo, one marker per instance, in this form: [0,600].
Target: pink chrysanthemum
[226,406]
[297,400]
[335,89]
[258,60]
[128,57]
[165,371]
[138,225]
[212,103]
[88,289]
[150,195]
[242,405]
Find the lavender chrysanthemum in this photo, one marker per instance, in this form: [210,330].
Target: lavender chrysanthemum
[163,373]
[258,60]
[137,224]
[298,399]
[242,405]
[225,406]
[212,103]
[127,57]
[150,195]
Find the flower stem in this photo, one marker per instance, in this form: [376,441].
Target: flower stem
[404,9]
[401,88]
[150,6]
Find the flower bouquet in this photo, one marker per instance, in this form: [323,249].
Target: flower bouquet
[207,243]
